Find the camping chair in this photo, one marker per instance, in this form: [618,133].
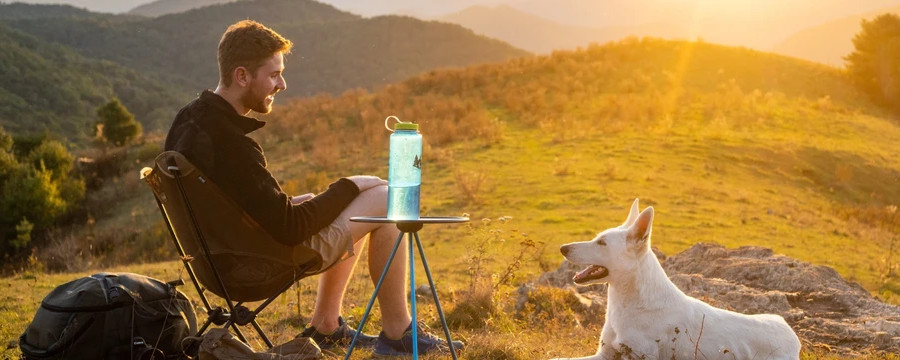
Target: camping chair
[223,249]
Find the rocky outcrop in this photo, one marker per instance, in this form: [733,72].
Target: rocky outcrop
[824,309]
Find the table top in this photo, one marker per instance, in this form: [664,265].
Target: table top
[421,220]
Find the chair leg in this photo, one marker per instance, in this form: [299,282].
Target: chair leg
[237,331]
[204,327]
[262,334]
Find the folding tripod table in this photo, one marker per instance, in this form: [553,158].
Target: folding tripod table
[411,229]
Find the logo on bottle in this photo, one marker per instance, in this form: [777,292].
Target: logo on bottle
[417,163]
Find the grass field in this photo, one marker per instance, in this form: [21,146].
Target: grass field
[729,146]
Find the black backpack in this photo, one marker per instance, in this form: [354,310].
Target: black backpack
[111,316]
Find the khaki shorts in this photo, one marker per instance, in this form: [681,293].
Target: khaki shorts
[334,242]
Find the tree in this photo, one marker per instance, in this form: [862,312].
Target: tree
[875,64]
[117,125]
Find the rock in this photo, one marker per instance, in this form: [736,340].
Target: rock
[825,310]
[424,291]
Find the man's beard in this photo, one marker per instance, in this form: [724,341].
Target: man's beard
[257,102]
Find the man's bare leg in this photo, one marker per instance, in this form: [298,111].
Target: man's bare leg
[382,237]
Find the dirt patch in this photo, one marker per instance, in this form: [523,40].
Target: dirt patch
[825,310]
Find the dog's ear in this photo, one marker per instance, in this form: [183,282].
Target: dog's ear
[632,215]
[639,232]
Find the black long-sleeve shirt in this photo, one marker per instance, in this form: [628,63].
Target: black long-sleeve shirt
[211,134]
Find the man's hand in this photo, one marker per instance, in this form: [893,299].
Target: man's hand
[301,198]
[366,182]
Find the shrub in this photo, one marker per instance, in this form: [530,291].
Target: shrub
[23,234]
[487,298]
[545,304]
[31,193]
[53,156]
[470,184]
[35,191]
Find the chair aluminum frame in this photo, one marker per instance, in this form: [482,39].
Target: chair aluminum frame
[236,314]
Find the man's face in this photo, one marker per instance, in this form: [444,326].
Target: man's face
[264,84]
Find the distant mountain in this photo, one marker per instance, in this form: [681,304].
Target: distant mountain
[164,7]
[100,6]
[26,11]
[830,42]
[540,35]
[751,23]
[48,87]
[334,50]
[524,30]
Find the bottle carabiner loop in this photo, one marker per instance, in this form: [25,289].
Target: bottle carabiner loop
[386,126]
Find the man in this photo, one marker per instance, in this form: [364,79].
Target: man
[211,131]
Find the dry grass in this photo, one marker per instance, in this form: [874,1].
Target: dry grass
[731,146]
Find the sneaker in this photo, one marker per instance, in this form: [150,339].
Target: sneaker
[428,342]
[342,336]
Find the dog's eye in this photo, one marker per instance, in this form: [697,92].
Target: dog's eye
[601,242]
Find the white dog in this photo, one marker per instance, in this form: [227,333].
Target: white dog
[647,317]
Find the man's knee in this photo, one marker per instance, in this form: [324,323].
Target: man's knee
[374,199]
[377,194]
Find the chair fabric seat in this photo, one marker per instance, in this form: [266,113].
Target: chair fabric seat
[251,263]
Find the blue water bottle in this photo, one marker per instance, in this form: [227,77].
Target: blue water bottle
[404,171]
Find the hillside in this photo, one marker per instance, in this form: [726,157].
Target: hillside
[51,88]
[828,43]
[181,47]
[165,7]
[729,145]
[734,146]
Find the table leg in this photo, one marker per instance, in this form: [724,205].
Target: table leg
[437,302]
[412,298]
[362,323]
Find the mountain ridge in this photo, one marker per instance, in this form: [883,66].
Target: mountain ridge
[148,45]
[163,7]
[51,88]
[526,30]
[334,51]
[828,43]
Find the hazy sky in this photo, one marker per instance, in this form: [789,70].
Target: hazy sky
[576,12]
[712,15]
[110,6]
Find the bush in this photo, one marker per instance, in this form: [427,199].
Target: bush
[491,276]
[23,234]
[8,165]
[53,156]
[31,193]
[35,190]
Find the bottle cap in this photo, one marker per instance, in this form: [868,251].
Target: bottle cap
[406,126]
